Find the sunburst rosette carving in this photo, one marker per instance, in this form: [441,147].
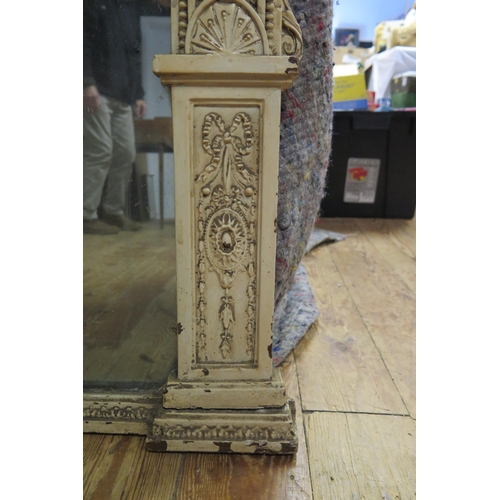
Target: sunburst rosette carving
[227,240]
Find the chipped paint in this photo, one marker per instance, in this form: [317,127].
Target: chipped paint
[287,448]
[224,446]
[159,446]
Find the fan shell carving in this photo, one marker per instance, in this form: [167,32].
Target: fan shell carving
[225,28]
[243,27]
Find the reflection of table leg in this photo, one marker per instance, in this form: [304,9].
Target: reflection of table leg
[160,163]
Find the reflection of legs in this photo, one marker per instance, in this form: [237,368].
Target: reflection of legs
[97,154]
[122,129]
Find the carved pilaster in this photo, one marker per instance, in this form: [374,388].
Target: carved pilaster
[231,60]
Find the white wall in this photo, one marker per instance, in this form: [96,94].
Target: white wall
[366,14]
[156,40]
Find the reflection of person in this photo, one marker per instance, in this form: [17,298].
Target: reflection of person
[112,94]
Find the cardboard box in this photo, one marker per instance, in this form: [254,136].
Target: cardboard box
[404,90]
[349,91]
[351,55]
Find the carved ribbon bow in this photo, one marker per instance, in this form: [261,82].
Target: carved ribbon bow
[227,147]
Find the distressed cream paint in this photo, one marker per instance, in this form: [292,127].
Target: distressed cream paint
[230,62]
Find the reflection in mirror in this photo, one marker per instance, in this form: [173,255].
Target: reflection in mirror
[129,275]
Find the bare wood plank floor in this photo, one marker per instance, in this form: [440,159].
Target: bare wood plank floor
[352,376]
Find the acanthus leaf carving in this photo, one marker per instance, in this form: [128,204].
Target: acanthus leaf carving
[291,33]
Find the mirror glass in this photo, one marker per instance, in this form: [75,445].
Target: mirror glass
[129,275]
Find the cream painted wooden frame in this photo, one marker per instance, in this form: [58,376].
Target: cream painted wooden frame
[231,60]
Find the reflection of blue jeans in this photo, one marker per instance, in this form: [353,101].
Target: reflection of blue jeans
[108,152]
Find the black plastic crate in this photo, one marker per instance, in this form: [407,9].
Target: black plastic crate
[372,170]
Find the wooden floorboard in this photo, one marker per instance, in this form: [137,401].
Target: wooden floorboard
[119,467]
[355,456]
[352,377]
[225,477]
[339,366]
[386,305]
[393,243]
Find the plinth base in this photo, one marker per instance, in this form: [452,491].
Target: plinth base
[225,394]
[260,431]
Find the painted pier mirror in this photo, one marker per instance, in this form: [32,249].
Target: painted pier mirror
[215,388]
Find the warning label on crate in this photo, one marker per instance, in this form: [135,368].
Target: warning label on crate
[361,180]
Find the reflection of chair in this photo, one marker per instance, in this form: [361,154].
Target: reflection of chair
[155,136]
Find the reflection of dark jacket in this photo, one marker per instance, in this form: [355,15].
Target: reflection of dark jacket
[112,48]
